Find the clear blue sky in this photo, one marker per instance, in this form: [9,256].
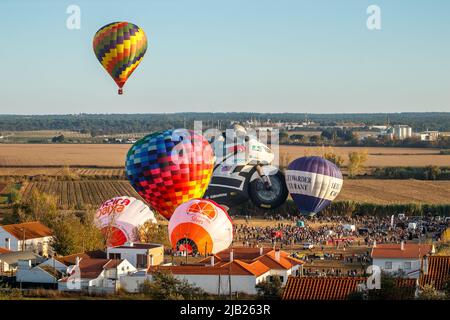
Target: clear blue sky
[230,55]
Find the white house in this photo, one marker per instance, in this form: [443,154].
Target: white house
[140,255]
[95,275]
[28,236]
[9,261]
[245,267]
[46,273]
[403,257]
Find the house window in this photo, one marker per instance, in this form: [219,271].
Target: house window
[388,265]
[407,265]
[7,245]
[141,261]
[114,256]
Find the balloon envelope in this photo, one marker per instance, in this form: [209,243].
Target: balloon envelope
[169,168]
[202,226]
[313,183]
[119,218]
[120,48]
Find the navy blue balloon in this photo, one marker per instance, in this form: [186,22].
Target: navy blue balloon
[313,183]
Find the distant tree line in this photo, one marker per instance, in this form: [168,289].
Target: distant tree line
[98,124]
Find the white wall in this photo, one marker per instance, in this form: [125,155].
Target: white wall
[39,244]
[14,243]
[128,254]
[398,264]
[35,275]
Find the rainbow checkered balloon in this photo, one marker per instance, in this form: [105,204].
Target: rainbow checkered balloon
[169,168]
[120,47]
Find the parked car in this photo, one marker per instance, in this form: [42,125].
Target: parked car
[308,246]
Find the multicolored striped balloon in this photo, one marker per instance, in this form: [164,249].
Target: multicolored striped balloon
[120,47]
[313,183]
[169,168]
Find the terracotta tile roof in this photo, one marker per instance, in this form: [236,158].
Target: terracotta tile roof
[336,288]
[438,272]
[268,258]
[70,259]
[236,267]
[2,187]
[393,251]
[4,250]
[140,246]
[111,264]
[327,288]
[241,253]
[28,230]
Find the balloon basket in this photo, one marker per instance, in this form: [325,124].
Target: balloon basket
[120,91]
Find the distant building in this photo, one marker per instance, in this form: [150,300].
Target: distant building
[429,135]
[401,132]
[403,257]
[28,236]
[140,255]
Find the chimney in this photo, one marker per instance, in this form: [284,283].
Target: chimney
[425,265]
[277,254]
[261,251]
[77,261]
[402,245]
[433,249]
[212,261]
[151,259]
[374,243]
[231,256]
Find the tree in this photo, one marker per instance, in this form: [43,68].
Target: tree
[428,292]
[164,286]
[59,139]
[153,233]
[314,139]
[270,290]
[356,160]
[333,157]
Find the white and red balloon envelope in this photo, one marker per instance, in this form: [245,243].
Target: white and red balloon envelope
[118,218]
[200,226]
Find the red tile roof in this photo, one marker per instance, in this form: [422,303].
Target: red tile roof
[336,288]
[253,254]
[28,230]
[71,259]
[329,288]
[3,250]
[241,253]
[140,246]
[438,272]
[393,251]
[236,267]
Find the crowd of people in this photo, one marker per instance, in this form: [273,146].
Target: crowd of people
[334,230]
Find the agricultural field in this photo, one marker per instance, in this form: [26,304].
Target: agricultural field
[113,155]
[377,156]
[78,194]
[73,194]
[61,171]
[51,155]
[395,191]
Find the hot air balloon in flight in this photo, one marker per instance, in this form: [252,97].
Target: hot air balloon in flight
[313,183]
[120,48]
[170,167]
[119,218]
[200,226]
